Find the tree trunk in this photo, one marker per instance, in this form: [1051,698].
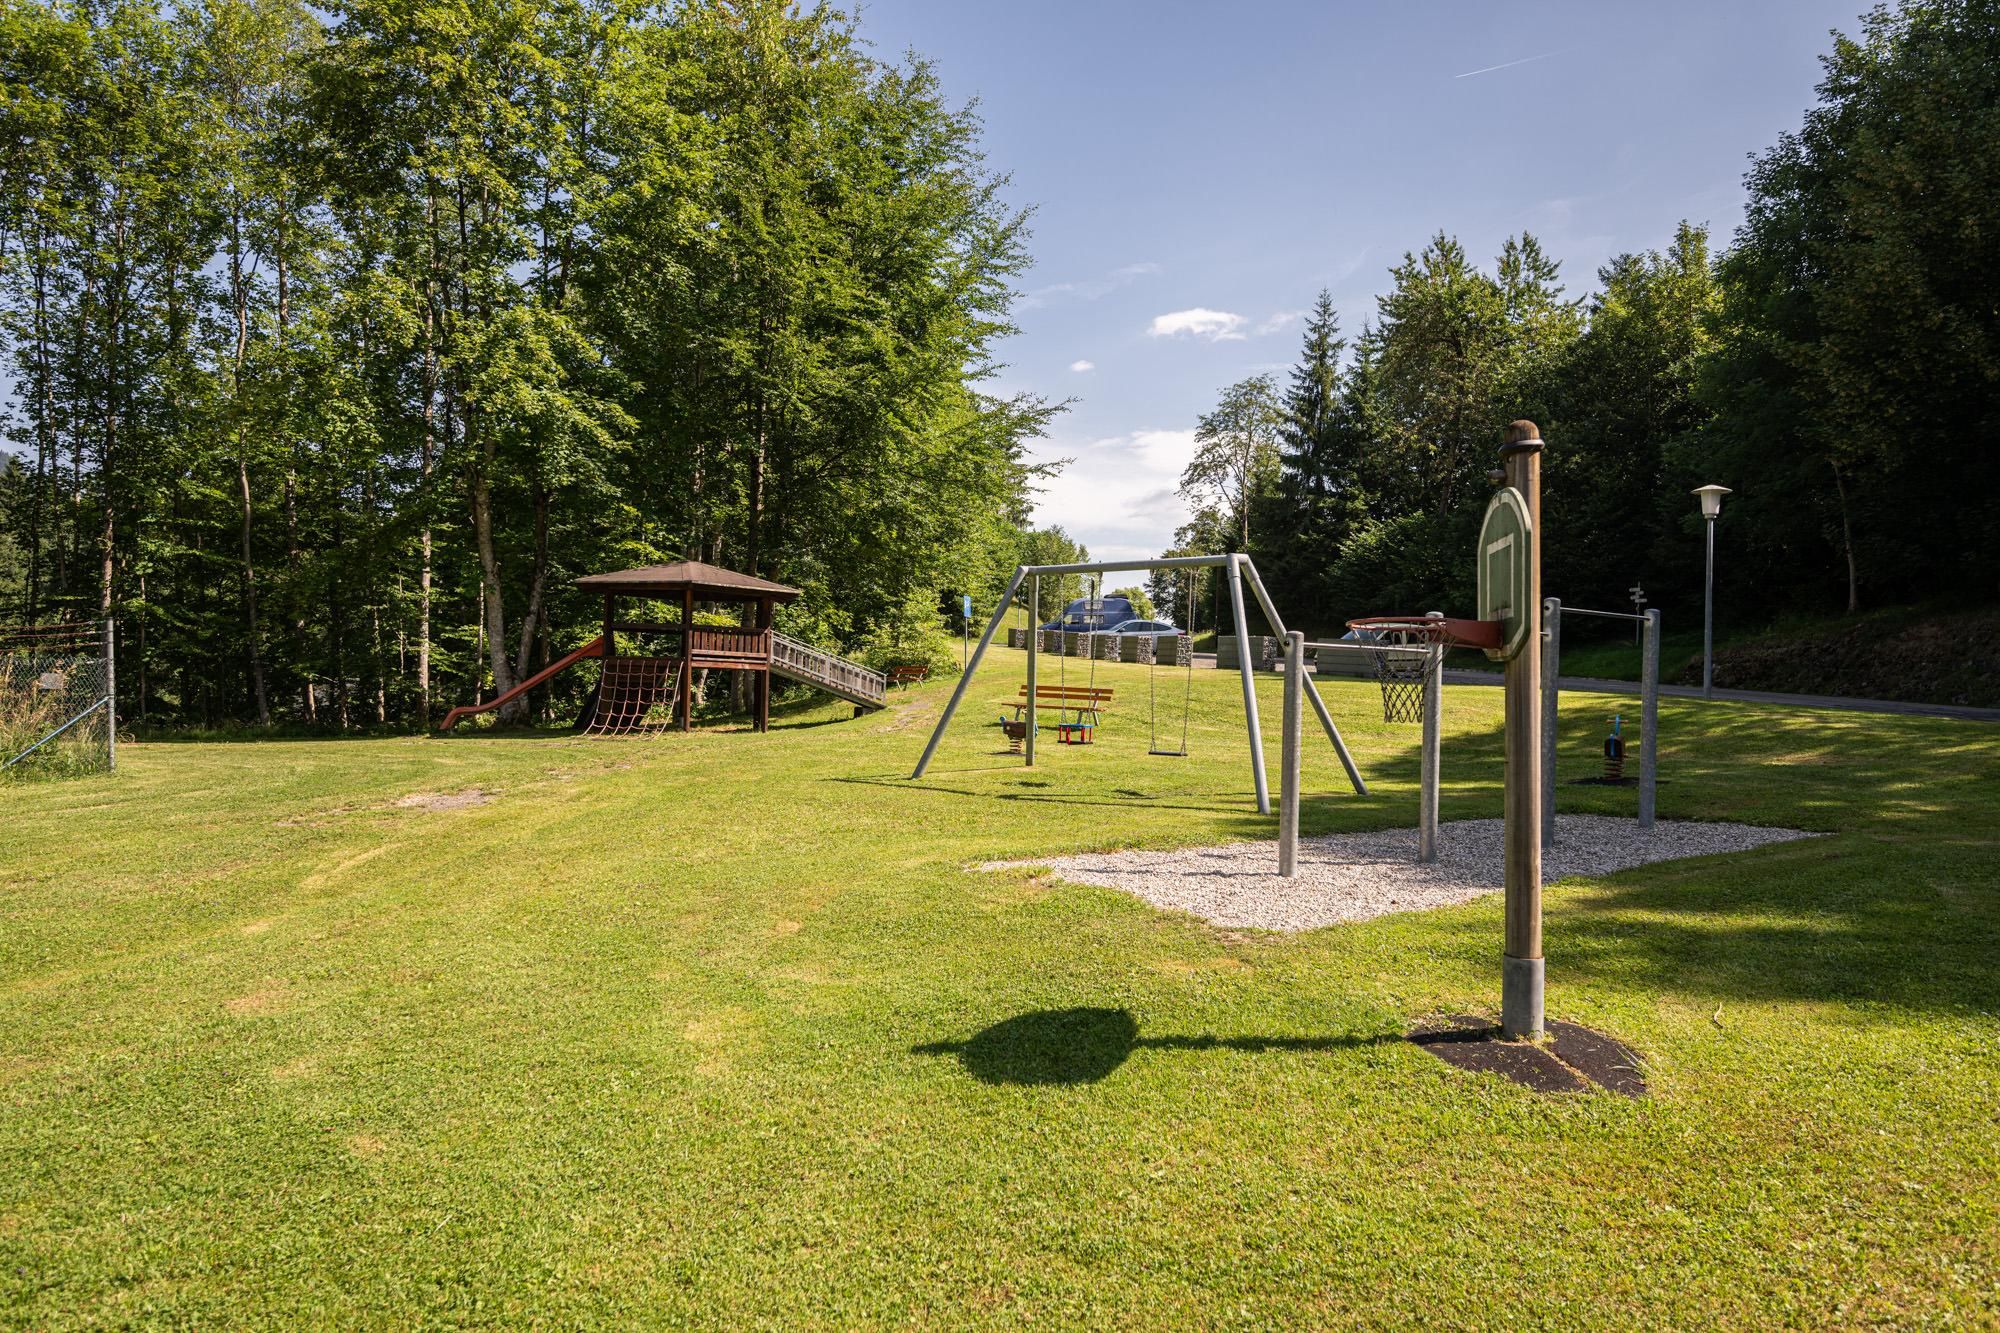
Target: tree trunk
[1847,541]
[493,613]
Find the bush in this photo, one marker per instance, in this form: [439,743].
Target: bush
[926,647]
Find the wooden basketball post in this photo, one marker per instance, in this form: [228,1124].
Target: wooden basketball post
[1522,974]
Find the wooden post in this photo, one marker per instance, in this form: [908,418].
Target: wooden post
[610,635]
[1521,973]
[764,676]
[687,658]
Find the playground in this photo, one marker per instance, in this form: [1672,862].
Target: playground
[730,1028]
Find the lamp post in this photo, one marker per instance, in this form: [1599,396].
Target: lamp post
[1711,506]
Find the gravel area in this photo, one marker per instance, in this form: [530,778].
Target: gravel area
[1356,876]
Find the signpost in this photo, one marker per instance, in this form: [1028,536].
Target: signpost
[965,632]
[1510,591]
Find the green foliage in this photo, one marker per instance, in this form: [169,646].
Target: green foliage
[1236,454]
[1142,605]
[1857,381]
[344,340]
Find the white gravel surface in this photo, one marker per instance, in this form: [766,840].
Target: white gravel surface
[1356,876]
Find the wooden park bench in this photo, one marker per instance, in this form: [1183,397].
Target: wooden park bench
[906,676]
[1088,704]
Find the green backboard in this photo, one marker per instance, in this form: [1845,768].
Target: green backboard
[1506,543]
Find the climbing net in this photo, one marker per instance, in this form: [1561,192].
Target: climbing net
[55,705]
[635,696]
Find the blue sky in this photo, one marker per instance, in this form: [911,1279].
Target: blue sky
[1199,171]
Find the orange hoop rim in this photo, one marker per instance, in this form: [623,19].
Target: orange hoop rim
[1452,631]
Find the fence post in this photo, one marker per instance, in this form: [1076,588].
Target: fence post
[1288,764]
[1649,719]
[1427,800]
[111,697]
[1551,667]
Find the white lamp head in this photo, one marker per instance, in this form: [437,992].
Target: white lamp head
[1711,499]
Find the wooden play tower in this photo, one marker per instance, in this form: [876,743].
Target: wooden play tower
[632,690]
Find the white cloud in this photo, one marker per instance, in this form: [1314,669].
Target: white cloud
[1082,367]
[1279,322]
[1119,495]
[1088,289]
[1199,322]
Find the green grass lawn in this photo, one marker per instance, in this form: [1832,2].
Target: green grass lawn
[721,1030]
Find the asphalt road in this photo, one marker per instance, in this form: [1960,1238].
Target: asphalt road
[1592,685]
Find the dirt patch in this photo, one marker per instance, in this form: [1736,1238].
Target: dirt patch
[787,928]
[263,1000]
[257,927]
[1194,967]
[434,801]
[303,1067]
[1573,1060]
[365,1145]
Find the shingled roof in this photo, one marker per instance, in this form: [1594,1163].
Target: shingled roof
[708,581]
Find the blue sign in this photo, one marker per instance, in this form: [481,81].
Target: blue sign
[968,606]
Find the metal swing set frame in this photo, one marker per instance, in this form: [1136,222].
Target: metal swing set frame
[1238,570]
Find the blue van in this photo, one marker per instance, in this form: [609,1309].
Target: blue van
[1078,619]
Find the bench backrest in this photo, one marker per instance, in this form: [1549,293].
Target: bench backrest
[1070,692]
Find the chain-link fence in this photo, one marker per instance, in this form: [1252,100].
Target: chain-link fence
[56,712]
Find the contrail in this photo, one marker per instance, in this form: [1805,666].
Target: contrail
[1524,60]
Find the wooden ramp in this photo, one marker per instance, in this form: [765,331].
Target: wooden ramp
[826,671]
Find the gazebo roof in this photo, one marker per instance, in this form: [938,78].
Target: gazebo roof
[709,582]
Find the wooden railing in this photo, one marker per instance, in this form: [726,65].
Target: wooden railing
[834,674]
[706,641]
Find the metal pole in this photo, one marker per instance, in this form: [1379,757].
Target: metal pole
[958,693]
[1034,646]
[1294,743]
[1312,691]
[1249,687]
[1427,800]
[1708,621]
[1649,719]
[1551,664]
[111,696]
[1521,987]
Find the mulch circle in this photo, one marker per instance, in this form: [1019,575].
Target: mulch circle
[1575,1059]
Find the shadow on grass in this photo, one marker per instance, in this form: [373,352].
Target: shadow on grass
[1064,1047]
[1143,803]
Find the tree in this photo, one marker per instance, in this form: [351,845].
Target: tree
[1142,605]
[1858,377]
[1236,453]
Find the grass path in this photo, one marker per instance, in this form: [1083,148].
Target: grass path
[719,1030]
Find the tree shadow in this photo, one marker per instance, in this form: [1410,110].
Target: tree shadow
[1065,1047]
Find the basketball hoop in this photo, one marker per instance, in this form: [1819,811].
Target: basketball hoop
[1403,648]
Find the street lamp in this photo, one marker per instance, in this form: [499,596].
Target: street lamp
[1711,506]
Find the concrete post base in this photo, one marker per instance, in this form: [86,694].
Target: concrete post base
[1521,998]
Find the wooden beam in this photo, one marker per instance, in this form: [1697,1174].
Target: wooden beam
[610,629]
[687,662]
[764,676]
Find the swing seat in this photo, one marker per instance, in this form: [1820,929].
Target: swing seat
[1076,733]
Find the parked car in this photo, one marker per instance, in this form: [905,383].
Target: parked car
[1153,629]
[1336,662]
